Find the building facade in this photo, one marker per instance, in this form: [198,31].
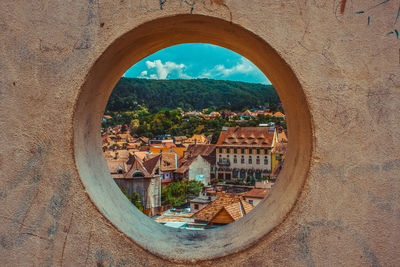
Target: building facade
[244,152]
[198,163]
[200,170]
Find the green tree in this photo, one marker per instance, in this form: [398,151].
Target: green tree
[194,188]
[174,194]
[134,198]
[134,125]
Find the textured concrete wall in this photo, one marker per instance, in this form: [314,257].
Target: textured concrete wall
[345,55]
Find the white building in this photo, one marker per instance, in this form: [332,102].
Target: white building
[244,152]
[198,163]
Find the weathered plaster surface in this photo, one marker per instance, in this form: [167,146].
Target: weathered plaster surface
[346,57]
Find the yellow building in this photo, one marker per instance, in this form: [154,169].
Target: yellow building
[278,152]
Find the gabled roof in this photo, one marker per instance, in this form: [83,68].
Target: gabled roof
[193,151]
[233,204]
[136,165]
[239,209]
[168,161]
[282,137]
[151,163]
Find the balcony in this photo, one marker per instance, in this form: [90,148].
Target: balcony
[224,163]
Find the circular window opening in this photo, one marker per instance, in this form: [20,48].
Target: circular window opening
[182,244]
[174,126]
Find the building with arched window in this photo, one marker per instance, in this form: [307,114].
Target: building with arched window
[141,176]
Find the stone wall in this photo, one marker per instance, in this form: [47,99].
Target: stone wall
[335,64]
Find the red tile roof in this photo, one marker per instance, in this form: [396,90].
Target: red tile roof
[256,193]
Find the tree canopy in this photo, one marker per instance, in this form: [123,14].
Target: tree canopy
[177,193]
[132,94]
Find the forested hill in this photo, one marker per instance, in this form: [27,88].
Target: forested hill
[189,94]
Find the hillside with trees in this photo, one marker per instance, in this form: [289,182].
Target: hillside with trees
[131,94]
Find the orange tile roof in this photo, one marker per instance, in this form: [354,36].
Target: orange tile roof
[233,204]
[279,114]
[246,136]
[256,193]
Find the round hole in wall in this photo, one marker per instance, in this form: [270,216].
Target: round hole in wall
[177,244]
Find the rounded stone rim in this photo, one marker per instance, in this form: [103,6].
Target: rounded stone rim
[178,244]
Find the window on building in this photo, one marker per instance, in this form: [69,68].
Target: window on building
[220,158]
[235,173]
[266,151]
[250,151]
[258,160]
[242,174]
[234,159]
[242,160]
[265,160]
[251,201]
[250,160]
[242,151]
[196,206]
[235,150]
[220,150]
[258,151]
[228,150]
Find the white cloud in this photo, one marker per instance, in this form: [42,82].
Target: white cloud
[243,67]
[143,74]
[163,70]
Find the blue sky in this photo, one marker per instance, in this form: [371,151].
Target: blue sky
[192,61]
